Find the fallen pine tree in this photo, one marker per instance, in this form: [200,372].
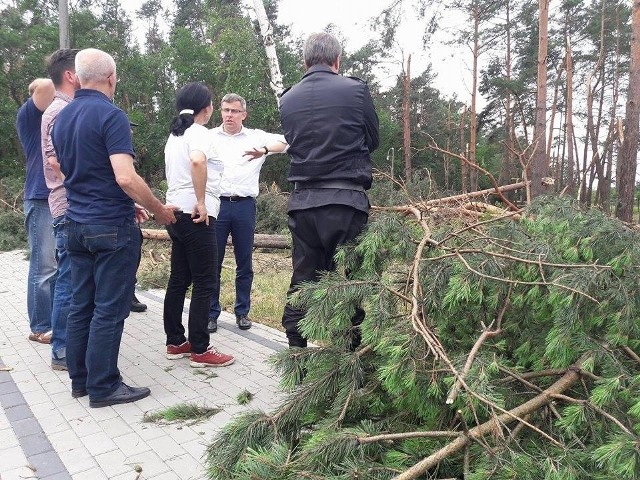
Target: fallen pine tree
[499,346]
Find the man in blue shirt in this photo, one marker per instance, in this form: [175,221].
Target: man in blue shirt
[42,247]
[92,139]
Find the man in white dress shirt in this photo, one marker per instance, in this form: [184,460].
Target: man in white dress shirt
[243,151]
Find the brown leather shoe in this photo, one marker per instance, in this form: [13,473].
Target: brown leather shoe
[42,337]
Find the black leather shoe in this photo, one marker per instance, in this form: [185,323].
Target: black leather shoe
[243,322]
[212,326]
[123,394]
[78,393]
[137,305]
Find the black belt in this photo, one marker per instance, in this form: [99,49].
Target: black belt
[343,184]
[234,198]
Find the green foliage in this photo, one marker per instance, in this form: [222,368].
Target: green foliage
[244,397]
[271,212]
[561,282]
[181,413]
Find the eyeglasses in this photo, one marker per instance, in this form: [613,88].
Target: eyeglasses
[232,111]
[112,74]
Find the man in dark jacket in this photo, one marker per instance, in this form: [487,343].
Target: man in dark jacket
[331,127]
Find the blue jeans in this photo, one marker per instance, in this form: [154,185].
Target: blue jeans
[193,260]
[103,261]
[62,292]
[237,218]
[42,264]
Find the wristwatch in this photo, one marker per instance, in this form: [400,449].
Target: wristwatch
[266,150]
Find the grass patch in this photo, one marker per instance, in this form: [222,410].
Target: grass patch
[272,274]
[204,372]
[183,412]
[244,397]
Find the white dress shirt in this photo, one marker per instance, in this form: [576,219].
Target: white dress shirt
[241,175]
[177,151]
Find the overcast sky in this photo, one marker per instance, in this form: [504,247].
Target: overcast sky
[353,17]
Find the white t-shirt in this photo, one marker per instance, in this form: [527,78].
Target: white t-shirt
[241,175]
[177,161]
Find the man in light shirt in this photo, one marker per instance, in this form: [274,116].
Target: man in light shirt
[243,151]
[62,70]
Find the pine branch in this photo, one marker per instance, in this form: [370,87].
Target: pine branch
[567,380]
[596,409]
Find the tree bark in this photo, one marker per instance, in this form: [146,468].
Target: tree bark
[569,114]
[266,30]
[406,122]
[473,121]
[628,154]
[259,240]
[540,162]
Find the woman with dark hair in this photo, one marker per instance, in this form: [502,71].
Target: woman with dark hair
[193,169]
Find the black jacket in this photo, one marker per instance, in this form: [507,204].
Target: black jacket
[331,127]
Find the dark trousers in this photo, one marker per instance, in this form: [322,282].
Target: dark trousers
[316,233]
[238,218]
[103,260]
[193,261]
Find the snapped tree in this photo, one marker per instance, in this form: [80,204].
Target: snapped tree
[495,346]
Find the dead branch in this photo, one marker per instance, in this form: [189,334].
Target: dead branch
[486,334]
[475,166]
[390,437]
[633,355]
[568,379]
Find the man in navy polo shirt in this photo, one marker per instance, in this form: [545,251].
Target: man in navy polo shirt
[42,246]
[92,139]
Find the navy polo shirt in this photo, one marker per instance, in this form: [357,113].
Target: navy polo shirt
[28,126]
[86,133]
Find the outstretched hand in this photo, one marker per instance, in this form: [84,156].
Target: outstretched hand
[254,153]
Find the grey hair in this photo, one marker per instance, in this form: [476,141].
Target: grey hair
[93,65]
[321,48]
[234,97]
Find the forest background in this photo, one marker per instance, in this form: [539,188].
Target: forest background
[496,345]
[422,129]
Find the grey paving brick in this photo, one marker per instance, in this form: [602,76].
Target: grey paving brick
[12,399]
[35,444]
[26,427]
[47,463]
[115,435]
[19,412]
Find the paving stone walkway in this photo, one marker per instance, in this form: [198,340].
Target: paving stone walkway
[47,434]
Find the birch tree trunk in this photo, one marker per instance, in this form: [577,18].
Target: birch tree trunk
[629,152]
[540,162]
[266,30]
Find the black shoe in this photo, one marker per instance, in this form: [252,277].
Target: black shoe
[243,322]
[212,326]
[78,393]
[123,394]
[137,305]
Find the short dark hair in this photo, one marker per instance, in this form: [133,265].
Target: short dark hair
[321,48]
[194,96]
[59,62]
